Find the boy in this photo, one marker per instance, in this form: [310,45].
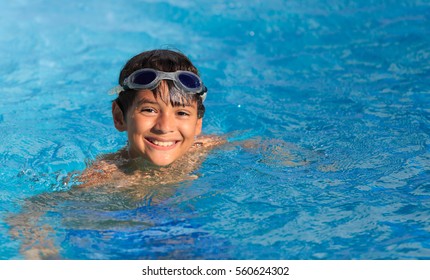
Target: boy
[160,107]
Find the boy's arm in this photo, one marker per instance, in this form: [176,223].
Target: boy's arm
[29,227]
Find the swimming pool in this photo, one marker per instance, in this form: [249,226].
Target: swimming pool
[336,92]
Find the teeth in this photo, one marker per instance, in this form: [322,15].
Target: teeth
[163,144]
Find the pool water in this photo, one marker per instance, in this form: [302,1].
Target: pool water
[336,94]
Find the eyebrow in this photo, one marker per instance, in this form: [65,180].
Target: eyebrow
[146,101]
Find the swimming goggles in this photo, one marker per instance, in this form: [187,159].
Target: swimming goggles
[148,78]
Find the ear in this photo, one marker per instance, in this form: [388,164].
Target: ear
[199,126]
[118,117]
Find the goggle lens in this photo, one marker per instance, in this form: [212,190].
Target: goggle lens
[145,78]
[188,80]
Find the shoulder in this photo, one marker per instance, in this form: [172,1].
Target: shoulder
[209,141]
[102,170]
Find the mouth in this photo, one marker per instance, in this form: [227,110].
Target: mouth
[161,144]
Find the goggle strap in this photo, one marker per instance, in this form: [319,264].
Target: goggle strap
[203,91]
[116,90]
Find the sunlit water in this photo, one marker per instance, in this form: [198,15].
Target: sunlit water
[336,93]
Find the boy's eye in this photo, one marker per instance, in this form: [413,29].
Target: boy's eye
[183,113]
[147,110]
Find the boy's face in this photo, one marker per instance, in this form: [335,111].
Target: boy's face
[157,131]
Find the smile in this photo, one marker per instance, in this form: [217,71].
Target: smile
[162,144]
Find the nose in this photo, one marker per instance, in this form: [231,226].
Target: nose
[164,124]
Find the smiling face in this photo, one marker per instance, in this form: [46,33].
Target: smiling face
[158,131]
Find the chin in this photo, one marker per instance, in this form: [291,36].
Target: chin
[161,163]
[154,160]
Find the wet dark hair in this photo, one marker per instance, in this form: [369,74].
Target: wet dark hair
[162,60]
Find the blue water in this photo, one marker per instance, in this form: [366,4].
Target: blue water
[336,93]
